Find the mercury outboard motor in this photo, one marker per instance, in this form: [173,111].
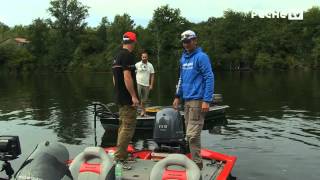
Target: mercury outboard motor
[168,129]
[47,161]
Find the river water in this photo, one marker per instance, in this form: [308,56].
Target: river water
[273,129]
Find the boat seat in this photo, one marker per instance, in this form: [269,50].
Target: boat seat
[160,170]
[92,164]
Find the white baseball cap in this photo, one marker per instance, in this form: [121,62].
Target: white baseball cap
[187,35]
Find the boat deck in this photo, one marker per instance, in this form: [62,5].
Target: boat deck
[141,170]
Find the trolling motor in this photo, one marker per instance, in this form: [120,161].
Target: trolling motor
[9,150]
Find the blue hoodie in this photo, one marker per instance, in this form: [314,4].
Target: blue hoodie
[196,81]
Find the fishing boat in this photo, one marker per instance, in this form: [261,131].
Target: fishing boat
[169,160]
[50,161]
[110,118]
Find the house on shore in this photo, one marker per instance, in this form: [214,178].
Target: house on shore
[19,41]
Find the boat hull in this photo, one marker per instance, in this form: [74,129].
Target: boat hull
[215,115]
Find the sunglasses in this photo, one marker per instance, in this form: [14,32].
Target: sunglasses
[186,41]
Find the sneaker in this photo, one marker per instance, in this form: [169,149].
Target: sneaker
[124,165]
[142,114]
[130,159]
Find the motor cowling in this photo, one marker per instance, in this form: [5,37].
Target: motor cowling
[168,127]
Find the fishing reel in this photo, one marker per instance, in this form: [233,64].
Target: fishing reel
[9,150]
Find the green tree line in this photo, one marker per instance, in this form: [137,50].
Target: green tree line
[235,41]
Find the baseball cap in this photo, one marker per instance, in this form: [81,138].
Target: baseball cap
[129,36]
[187,35]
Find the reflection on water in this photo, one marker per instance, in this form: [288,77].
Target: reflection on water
[273,123]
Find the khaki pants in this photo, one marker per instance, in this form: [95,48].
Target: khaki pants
[127,125]
[143,92]
[194,120]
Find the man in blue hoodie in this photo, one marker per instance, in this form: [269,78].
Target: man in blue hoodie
[195,87]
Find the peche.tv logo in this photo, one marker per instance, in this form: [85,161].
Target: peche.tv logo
[290,15]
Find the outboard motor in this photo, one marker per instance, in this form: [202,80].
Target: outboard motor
[168,128]
[47,161]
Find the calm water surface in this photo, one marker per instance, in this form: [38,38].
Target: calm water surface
[274,119]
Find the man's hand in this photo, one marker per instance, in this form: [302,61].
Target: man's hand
[175,103]
[135,101]
[150,87]
[205,107]
[130,87]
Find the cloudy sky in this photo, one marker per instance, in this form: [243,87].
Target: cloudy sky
[14,12]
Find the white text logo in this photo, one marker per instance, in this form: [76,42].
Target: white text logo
[290,15]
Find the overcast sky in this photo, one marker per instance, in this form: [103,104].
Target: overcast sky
[14,12]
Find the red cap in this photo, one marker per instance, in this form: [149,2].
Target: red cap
[129,36]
